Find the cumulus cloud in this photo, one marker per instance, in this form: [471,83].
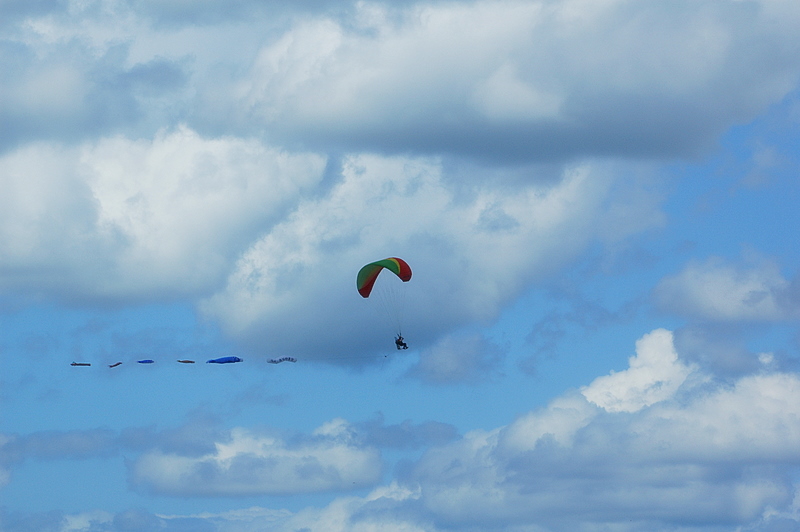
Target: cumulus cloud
[657,446]
[526,80]
[122,218]
[697,455]
[573,465]
[199,458]
[512,80]
[249,464]
[75,71]
[177,215]
[443,115]
[472,251]
[718,291]
[58,87]
[653,375]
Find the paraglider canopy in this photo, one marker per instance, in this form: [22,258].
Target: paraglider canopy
[389,293]
[369,273]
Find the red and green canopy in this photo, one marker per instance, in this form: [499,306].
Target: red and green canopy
[369,273]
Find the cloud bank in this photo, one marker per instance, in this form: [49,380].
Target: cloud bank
[249,163]
[251,464]
[140,219]
[717,291]
[500,81]
[477,249]
[659,445]
[526,80]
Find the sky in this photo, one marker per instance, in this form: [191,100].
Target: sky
[597,199]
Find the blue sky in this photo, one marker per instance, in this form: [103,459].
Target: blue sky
[597,198]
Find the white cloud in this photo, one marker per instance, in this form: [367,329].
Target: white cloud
[86,520]
[250,464]
[753,420]
[471,250]
[715,453]
[186,204]
[131,206]
[377,512]
[505,97]
[707,452]
[561,420]
[177,215]
[526,79]
[141,219]
[519,79]
[653,376]
[719,291]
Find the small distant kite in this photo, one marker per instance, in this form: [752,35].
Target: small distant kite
[114,365]
[282,359]
[224,360]
[80,364]
[146,361]
[186,361]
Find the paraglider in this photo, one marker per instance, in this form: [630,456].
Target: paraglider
[390,294]
[224,360]
[368,274]
[80,364]
[282,359]
[186,361]
[146,361]
[114,365]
